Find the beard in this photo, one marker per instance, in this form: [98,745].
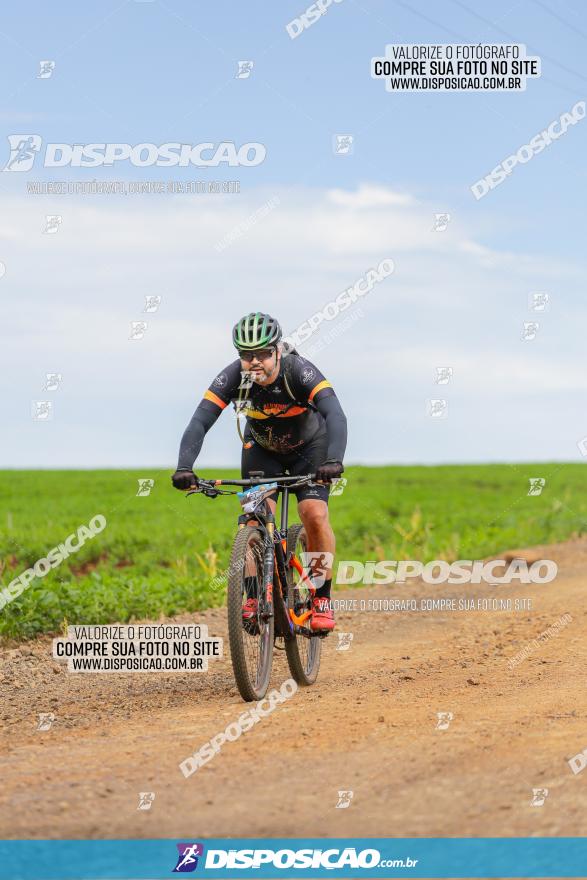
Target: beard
[262,374]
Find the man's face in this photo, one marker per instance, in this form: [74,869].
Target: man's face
[263,365]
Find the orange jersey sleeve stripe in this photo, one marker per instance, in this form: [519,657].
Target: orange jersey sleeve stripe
[209,395]
[319,387]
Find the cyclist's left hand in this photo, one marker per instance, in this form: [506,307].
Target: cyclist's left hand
[329,471]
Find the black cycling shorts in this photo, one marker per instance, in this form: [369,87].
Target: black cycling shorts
[303,460]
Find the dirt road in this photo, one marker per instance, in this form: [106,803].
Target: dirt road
[369,726]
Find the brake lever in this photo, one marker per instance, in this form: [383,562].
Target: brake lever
[209,491]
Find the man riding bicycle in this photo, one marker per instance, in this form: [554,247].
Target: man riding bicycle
[294,425]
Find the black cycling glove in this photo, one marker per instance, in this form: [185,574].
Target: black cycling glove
[329,471]
[184,478]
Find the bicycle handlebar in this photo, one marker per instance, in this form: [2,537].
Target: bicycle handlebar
[257,481]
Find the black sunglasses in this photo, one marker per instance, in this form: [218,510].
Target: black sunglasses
[262,354]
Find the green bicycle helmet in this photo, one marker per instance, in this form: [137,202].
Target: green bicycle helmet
[256,330]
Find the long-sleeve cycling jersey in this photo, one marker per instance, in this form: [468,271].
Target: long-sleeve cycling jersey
[281,417]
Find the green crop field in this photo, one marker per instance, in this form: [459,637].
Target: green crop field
[158,554]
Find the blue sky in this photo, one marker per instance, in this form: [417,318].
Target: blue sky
[164,72]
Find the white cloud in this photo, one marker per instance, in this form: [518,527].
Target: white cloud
[68,300]
[369,196]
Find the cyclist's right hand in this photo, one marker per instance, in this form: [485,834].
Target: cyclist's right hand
[184,478]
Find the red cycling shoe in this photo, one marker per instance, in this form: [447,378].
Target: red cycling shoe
[250,609]
[322,615]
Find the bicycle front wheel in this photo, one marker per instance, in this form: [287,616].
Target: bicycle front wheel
[250,637]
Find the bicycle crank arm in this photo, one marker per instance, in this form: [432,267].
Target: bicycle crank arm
[309,633]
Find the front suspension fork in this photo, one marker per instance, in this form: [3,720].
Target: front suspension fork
[267,607]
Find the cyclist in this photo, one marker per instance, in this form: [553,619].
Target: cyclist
[294,425]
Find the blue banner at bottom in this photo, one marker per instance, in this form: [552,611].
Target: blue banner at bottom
[284,858]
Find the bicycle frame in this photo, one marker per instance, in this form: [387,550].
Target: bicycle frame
[275,559]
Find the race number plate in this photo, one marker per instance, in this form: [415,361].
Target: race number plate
[251,498]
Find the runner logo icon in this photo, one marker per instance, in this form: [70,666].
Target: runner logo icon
[23,149]
[187,859]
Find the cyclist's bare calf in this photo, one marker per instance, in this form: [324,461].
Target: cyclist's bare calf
[314,516]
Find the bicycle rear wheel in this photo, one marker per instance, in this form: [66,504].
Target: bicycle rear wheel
[303,654]
[251,641]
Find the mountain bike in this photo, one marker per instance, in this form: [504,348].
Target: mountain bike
[265,566]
